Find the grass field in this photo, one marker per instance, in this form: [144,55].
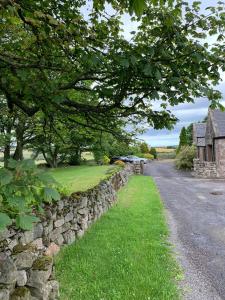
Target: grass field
[164,150]
[124,255]
[79,178]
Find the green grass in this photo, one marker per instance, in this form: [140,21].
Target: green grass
[125,254]
[79,178]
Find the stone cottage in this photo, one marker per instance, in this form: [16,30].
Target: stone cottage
[209,139]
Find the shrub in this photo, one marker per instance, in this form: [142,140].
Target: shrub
[184,159]
[23,188]
[153,152]
[119,163]
[106,160]
[148,156]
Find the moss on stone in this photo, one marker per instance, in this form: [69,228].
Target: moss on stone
[20,292]
[21,248]
[43,263]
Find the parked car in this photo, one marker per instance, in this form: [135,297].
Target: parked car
[136,159]
[128,159]
[115,158]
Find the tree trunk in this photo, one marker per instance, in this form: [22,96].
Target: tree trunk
[7,145]
[18,154]
[6,154]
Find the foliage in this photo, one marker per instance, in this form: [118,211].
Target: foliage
[24,187]
[129,229]
[119,163]
[184,159]
[153,152]
[148,156]
[49,51]
[182,139]
[144,148]
[106,160]
[189,134]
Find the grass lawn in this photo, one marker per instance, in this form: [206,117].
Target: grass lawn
[125,254]
[79,178]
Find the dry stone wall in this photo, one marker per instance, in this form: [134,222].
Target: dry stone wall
[26,264]
[205,169]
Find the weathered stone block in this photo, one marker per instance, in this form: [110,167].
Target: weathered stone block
[69,237]
[21,278]
[52,250]
[38,243]
[8,272]
[24,255]
[4,234]
[21,293]
[40,272]
[69,217]
[59,223]
[49,291]
[4,294]
[82,211]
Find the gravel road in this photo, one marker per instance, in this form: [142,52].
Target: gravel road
[196,216]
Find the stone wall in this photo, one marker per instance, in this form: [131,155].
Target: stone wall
[26,264]
[220,157]
[205,169]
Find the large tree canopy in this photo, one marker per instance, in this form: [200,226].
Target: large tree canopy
[49,52]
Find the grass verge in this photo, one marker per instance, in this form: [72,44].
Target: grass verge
[124,255]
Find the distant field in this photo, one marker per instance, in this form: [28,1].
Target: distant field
[165,153]
[164,150]
[87,155]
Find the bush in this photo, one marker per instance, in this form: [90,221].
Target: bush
[153,152]
[23,188]
[106,160]
[148,156]
[120,163]
[184,159]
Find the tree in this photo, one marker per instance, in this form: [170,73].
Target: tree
[48,50]
[189,134]
[183,139]
[153,152]
[14,127]
[144,147]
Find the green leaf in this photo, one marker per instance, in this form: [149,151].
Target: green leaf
[50,193]
[5,177]
[147,70]
[46,178]
[4,221]
[124,62]
[158,74]
[25,222]
[138,6]
[17,202]
[27,164]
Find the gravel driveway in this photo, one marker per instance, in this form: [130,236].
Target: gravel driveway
[197,222]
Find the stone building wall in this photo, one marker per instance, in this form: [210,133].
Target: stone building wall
[205,169]
[26,264]
[220,157]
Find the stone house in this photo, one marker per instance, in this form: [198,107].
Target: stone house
[209,139]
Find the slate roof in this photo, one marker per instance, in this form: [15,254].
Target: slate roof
[218,121]
[200,129]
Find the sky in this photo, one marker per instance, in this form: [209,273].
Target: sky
[186,113]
